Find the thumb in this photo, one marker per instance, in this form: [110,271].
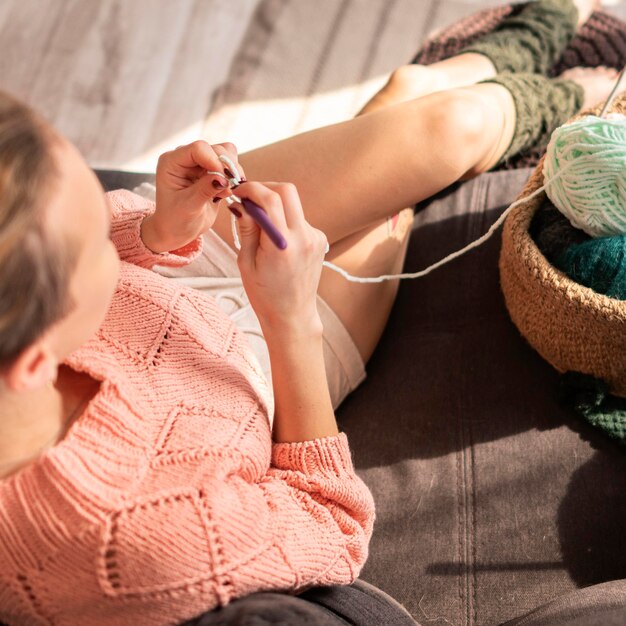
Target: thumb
[249,237]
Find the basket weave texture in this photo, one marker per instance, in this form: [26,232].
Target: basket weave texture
[571,326]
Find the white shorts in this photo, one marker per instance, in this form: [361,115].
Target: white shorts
[216,273]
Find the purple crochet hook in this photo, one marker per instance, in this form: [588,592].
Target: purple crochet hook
[262,219]
[252,208]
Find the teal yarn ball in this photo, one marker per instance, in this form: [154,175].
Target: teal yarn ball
[590,155]
[599,264]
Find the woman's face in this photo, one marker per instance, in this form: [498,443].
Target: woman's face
[79,213]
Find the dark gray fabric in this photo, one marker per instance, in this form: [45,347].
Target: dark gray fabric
[116,179]
[599,605]
[358,604]
[491,499]
[263,609]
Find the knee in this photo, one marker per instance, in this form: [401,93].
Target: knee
[460,120]
[413,81]
[406,78]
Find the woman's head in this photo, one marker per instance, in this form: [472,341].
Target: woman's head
[58,268]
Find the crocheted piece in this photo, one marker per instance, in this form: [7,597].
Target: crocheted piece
[589,398]
[542,105]
[532,40]
[600,41]
[167,496]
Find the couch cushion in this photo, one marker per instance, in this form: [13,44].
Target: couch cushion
[491,498]
[117,179]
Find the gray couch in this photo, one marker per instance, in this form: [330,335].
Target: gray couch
[493,501]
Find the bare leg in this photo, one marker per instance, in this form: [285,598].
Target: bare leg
[353,175]
[414,81]
[365,308]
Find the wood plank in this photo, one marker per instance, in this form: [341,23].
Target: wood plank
[273,71]
[68,42]
[449,11]
[126,80]
[373,42]
[322,62]
[119,76]
[201,64]
[6,6]
[25,43]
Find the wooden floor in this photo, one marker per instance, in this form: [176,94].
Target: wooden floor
[127,79]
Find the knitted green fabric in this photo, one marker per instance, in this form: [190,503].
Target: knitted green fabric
[541,104]
[532,40]
[599,264]
[589,398]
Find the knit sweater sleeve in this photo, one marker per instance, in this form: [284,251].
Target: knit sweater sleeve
[128,210]
[309,520]
[324,513]
[305,521]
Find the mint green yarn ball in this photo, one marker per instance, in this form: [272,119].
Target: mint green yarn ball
[590,153]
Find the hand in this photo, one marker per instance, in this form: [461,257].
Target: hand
[281,284]
[185,194]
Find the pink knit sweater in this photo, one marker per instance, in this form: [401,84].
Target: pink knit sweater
[167,497]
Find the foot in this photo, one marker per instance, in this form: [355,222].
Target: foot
[596,81]
[585,9]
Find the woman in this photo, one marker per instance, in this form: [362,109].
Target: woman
[165,491]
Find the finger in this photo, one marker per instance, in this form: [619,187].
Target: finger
[323,241]
[249,238]
[294,213]
[210,187]
[270,201]
[227,153]
[192,160]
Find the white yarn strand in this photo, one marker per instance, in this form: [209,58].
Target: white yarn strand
[574,191]
[453,255]
[233,227]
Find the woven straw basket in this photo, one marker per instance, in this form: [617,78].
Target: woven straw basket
[571,326]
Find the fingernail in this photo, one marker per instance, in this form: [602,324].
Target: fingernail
[234,211]
[228,173]
[216,200]
[243,180]
[218,184]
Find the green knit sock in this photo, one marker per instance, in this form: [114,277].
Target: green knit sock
[531,41]
[541,105]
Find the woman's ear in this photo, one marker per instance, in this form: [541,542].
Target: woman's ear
[35,367]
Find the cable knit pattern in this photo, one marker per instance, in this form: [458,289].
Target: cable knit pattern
[167,497]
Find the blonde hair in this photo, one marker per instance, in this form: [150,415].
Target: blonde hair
[35,266]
